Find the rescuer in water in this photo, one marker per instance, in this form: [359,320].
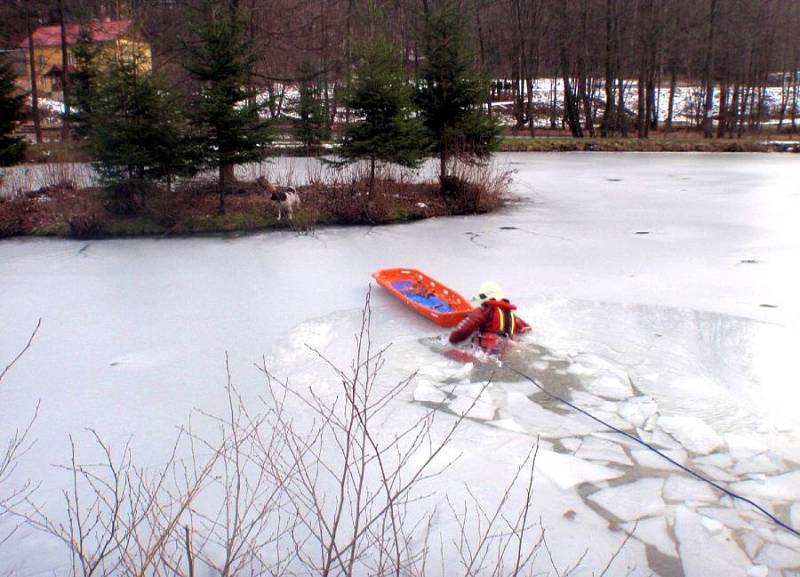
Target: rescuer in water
[494,323]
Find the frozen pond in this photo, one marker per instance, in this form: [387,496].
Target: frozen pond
[663,294]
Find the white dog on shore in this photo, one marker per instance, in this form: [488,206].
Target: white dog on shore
[285,197]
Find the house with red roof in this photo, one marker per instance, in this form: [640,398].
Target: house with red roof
[116,39]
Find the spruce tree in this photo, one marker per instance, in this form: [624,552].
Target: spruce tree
[450,93]
[225,111]
[137,134]
[12,148]
[84,82]
[311,126]
[388,131]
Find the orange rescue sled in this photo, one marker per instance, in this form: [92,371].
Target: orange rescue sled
[427,296]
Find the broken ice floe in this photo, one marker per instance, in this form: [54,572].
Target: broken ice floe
[567,471]
[703,554]
[691,432]
[632,501]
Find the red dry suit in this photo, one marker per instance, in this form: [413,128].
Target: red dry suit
[495,322]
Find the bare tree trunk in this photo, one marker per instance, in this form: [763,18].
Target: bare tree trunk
[226,177]
[671,99]
[611,58]
[64,73]
[708,73]
[723,109]
[37,125]
[622,121]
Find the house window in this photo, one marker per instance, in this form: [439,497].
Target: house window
[42,62]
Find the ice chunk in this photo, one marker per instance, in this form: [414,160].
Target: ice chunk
[653,531]
[683,488]
[599,450]
[716,474]
[567,471]
[703,554]
[761,463]
[778,557]
[729,517]
[540,365]
[785,487]
[712,525]
[579,369]
[637,410]
[758,571]
[752,543]
[508,425]
[632,501]
[693,433]
[610,387]
[741,447]
[720,460]
[484,409]
[663,440]
[427,393]
[795,516]
[651,460]
[589,401]
[571,443]
[537,419]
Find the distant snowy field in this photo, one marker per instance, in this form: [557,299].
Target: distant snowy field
[662,289]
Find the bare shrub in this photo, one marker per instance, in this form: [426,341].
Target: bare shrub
[12,492]
[475,187]
[13,214]
[308,482]
[86,218]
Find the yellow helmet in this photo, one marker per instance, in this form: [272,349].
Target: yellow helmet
[488,290]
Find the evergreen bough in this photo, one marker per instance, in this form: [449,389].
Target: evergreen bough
[383,99]
[225,110]
[451,93]
[311,126]
[12,148]
[137,134]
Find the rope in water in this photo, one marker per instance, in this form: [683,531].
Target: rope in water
[647,445]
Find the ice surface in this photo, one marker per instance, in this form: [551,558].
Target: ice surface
[697,342]
[653,531]
[692,432]
[758,571]
[567,471]
[720,460]
[632,501]
[795,515]
[680,487]
[703,554]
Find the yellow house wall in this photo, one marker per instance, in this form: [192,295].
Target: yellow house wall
[46,57]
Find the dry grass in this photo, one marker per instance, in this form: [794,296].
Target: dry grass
[329,197]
